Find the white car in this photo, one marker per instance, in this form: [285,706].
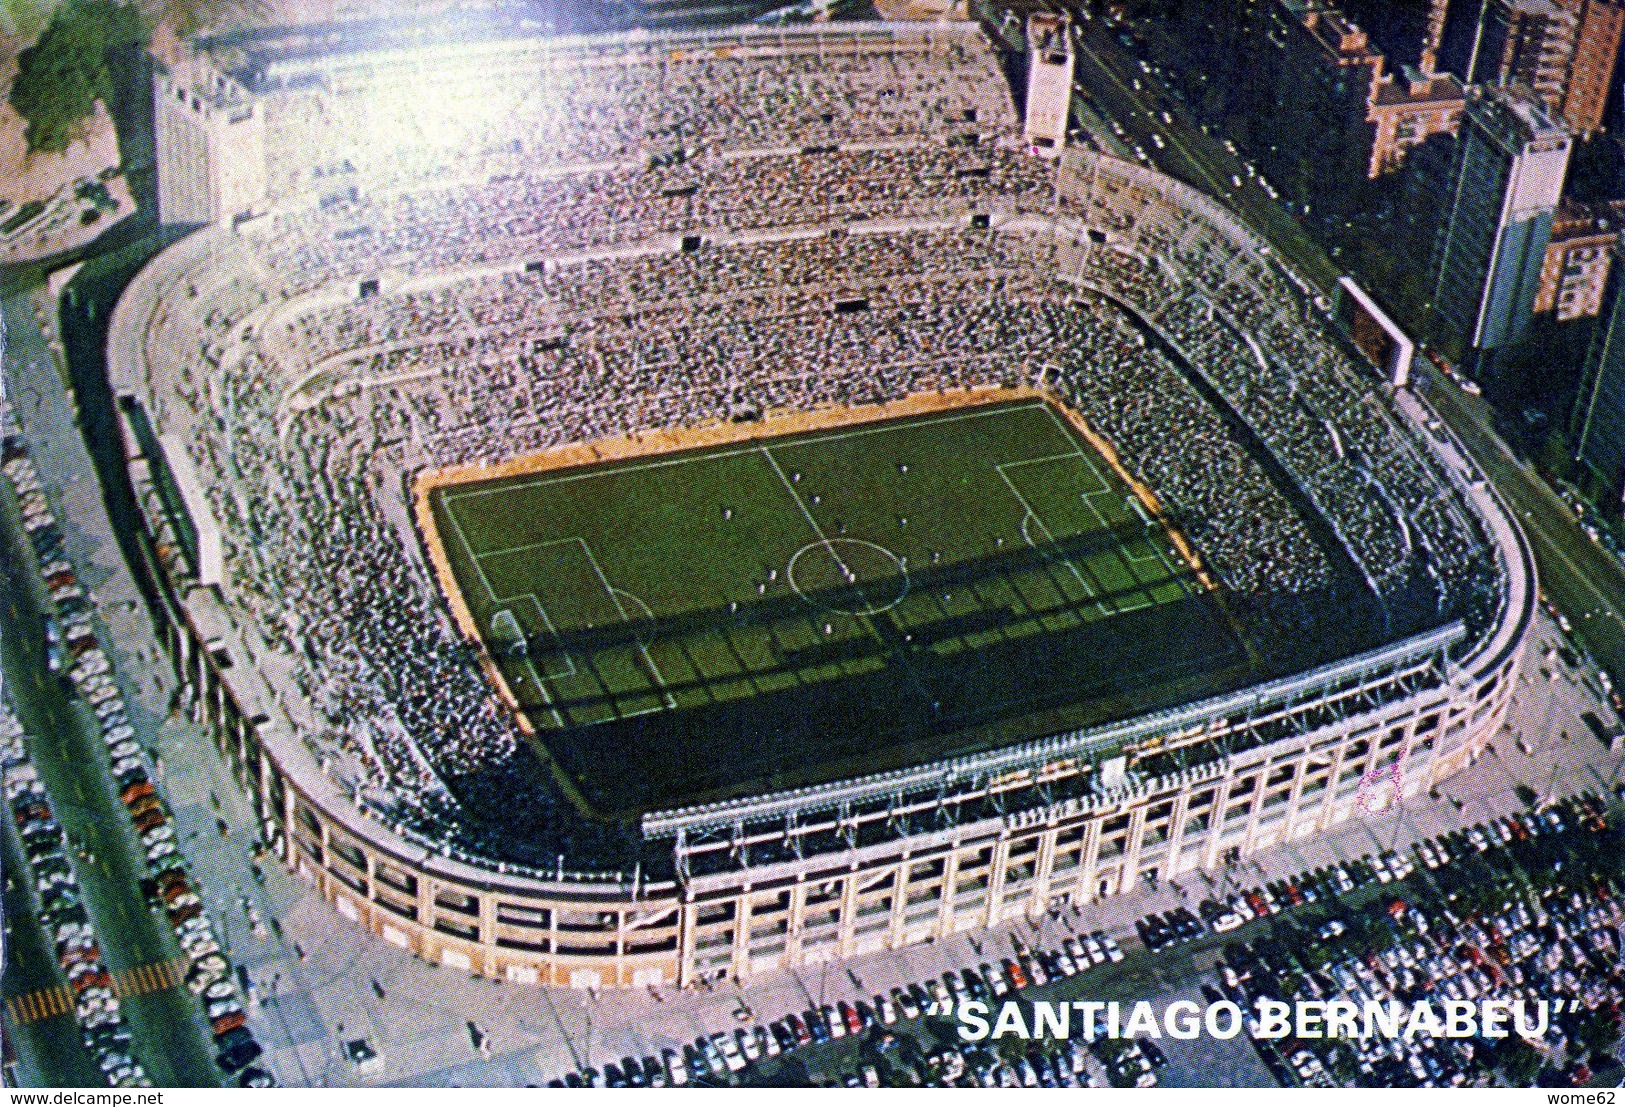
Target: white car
[126,764]
[113,1061]
[200,947]
[91,664]
[730,1052]
[196,925]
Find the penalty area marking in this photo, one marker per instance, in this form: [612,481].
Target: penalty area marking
[1026,534]
[614,594]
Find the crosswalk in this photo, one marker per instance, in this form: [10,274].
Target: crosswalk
[148,978]
[46,1003]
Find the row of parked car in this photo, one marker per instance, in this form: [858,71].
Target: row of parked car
[1227,912]
[75,652]
[62,912]
[1046,1063]
[1159,930]
[1561,943]
[716,1057]
[1587,811]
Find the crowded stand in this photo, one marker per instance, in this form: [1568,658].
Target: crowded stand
[578,287]
[626,100]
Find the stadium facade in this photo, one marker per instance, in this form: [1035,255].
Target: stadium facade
[208,365]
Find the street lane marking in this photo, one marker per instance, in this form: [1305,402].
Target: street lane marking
[148,978]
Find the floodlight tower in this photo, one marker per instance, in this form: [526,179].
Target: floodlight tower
[1049,82]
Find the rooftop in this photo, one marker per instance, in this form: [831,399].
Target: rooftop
[1413,86]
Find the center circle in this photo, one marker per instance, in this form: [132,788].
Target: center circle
[849,576]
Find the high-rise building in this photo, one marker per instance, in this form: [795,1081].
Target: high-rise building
[1565,51]
[1499,201]
[1598,427]
[1528,42]
[1578,260]
[1591,73]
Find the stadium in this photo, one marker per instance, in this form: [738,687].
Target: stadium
[646,508]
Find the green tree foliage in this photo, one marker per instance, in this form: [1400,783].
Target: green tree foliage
[1598,1032]
[60,78]
[1521,1063]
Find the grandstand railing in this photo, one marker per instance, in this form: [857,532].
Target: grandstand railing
[1088,743]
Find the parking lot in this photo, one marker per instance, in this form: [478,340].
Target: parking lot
[1526,908]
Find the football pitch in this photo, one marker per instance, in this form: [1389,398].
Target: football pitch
[784,611]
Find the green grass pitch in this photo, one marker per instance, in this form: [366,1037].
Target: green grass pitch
[787,611]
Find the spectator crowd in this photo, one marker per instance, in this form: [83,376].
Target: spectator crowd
[611,244]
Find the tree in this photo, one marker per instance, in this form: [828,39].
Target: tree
[62,76]
[1521,1063]
[1598,1031]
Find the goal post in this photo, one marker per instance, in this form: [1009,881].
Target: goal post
[507,636]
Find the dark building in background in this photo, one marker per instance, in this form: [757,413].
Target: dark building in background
[1499,203]
[1454,30]
[1598,429]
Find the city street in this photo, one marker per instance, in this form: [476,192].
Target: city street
[67,748]
[1110,76]
[1580,576]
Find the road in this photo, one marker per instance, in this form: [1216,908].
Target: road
[171,1038]
[1109,73]
[1585,582]
[49,1050]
